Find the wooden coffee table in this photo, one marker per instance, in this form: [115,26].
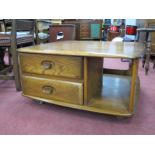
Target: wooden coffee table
[71,74]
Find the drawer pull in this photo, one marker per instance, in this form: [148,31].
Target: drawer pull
[47,64]
[47,89]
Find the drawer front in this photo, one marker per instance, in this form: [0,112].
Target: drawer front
[61,66]
[84,29]
[84,34]
[84,26]
[52,89]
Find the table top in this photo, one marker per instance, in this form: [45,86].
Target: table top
[89,48]
[146,29]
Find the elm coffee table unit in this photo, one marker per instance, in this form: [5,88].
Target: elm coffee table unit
[71,74]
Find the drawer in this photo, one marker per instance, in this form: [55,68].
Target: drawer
[84,35]
[53,89]
[84,32]
[61,66]
[84,25]
[84,29]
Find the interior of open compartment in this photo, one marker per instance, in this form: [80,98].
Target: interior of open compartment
[107,90]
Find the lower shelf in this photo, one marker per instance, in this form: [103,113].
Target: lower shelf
[113,98]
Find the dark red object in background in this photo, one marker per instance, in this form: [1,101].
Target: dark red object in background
[114,28]
[131,30]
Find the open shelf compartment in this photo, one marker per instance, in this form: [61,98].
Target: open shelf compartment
[114,97]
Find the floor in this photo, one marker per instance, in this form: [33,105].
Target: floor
[20,115]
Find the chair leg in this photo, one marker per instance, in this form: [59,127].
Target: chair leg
[9,58]
[16,69]
[33,43]
[2,53]
[130,64]
[147,64]
[143,61]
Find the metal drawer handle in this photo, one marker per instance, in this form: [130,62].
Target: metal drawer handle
[47,64]
[47,89]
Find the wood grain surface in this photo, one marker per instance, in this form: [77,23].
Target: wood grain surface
[61,66]
[53,89]
[89,48]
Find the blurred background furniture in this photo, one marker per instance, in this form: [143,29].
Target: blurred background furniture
[90,29]
[1,25]
[7,24]
[150,53]
[96,30]
[62,32]
[21,35]
[87,29]
[131,30]
[112,34]
[113,28]
[42,30]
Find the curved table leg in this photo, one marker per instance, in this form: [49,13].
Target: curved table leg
[134,75]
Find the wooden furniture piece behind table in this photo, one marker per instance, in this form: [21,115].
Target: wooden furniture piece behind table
[7,24]
[71,74]
[42,30]
[150,23]
[149,30]
[67,31]
[150,52]
[1,25]
[12,41]
[111,35]
[87,29]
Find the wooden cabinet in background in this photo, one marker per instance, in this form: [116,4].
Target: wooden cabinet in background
[151,23]
[149,30]
[87,29]
[62,32]
[84,30]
